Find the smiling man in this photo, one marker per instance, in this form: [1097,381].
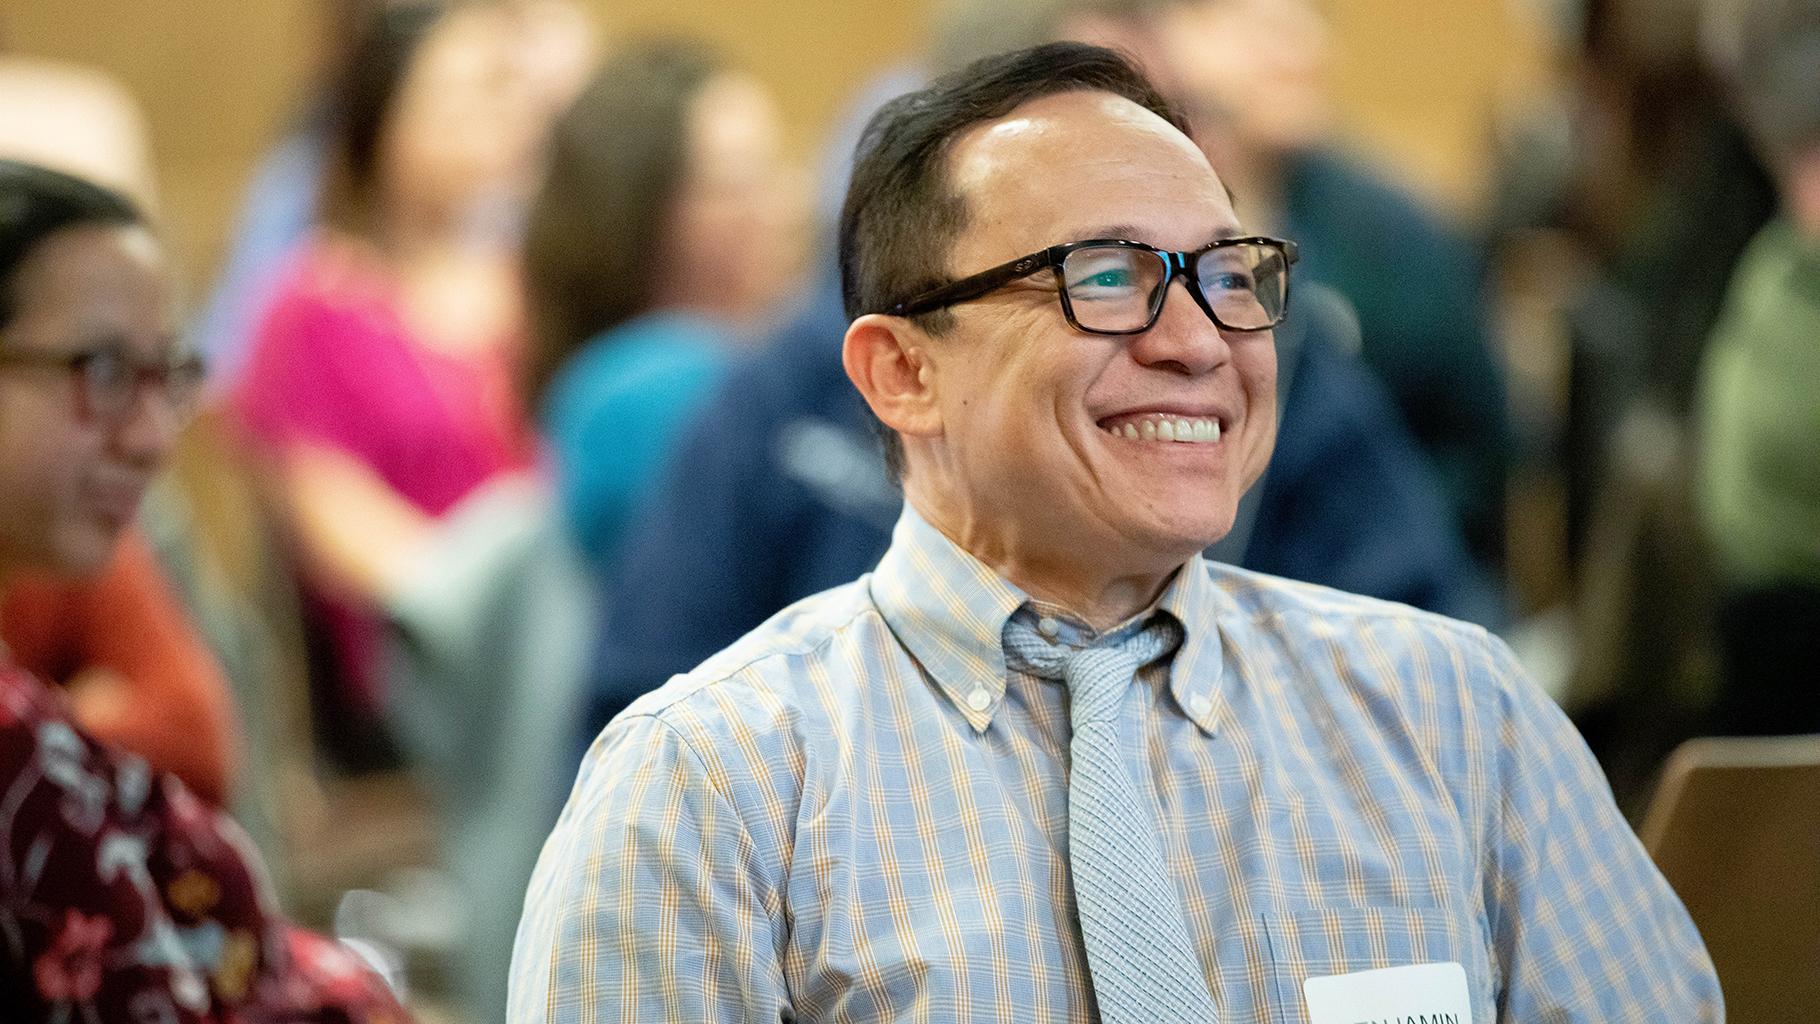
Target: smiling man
[1046,763]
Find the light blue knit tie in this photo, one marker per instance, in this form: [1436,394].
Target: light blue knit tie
[1144,968]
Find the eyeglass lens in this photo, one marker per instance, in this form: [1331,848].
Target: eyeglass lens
[111,381]
[1116,288]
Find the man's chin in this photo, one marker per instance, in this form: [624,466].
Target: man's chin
[1165,546]
[1188,517]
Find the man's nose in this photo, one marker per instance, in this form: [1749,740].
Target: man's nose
[1184,338]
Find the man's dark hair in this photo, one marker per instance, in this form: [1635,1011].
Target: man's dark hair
[902,216]
[36,203]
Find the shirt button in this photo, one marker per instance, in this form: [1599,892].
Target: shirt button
[979,700]
[1200,706]
[1048,626]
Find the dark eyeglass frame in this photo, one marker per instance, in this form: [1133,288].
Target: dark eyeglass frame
[180,397]
[1176,263]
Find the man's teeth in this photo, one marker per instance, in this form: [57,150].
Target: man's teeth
[1190,431]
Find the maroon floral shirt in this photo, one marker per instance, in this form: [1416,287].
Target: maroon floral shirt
[125,898]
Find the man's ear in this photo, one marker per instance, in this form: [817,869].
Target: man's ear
[886,357]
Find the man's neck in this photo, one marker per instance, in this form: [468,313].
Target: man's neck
[1100,605]
[1099,596]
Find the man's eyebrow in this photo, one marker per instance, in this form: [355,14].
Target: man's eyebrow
[1128,231]
[1114,231]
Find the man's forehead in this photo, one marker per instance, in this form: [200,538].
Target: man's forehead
[1079,156]
[1062,119]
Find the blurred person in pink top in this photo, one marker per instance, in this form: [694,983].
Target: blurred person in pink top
[380,381]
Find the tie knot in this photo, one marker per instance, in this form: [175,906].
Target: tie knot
[1096,675]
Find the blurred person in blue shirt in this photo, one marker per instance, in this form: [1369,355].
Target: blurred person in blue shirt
[665,227]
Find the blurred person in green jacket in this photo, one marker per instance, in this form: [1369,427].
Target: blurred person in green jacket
[1760,397]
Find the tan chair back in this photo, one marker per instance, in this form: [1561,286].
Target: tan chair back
[1735,827]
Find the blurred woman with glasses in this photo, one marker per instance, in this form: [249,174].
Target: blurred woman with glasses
[122,895]
[117,639]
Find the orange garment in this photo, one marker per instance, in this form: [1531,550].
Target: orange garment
[160,693]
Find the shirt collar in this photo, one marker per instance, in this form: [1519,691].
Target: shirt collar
[949,611]
[1196,672]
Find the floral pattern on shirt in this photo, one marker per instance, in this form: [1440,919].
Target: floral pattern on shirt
[123,897]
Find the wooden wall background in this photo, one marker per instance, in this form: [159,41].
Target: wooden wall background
[1417,79]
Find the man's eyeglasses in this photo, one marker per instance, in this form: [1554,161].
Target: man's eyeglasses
[109,379]
[1116,286]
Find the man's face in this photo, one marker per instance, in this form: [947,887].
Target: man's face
[69,483]
[1028,453]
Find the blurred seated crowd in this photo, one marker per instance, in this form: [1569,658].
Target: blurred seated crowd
[523,394]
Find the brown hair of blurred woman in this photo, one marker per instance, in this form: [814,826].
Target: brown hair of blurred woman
[363,96]
[617,163]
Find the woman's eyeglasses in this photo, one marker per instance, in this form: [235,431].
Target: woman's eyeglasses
[109,378]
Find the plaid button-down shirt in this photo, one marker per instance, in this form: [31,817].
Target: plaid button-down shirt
[859,813]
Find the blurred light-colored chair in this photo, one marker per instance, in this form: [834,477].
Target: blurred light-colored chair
[1735,826]
[75,119]
[491,645]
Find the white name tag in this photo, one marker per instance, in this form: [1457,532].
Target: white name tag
[1417,994]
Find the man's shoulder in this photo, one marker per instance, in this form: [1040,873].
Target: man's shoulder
[1348,657]
[773,669]
[1294,610]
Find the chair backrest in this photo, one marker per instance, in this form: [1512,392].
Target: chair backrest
[1735,827]
[490,651]
[78,120]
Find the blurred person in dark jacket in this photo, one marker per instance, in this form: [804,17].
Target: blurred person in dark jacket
[1253,76]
